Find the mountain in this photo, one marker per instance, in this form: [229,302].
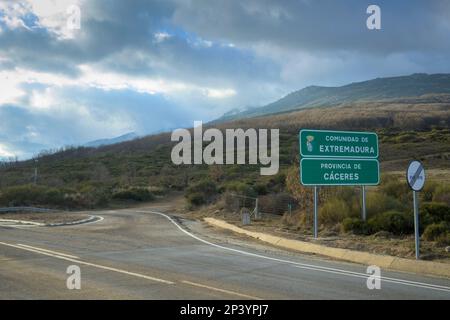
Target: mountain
[103,142]
[414,85]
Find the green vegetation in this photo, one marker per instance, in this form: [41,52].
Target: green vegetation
[436,231]
[134,194]
[138,170]
[201,192]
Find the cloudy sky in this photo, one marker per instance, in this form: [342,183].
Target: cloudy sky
[147,66]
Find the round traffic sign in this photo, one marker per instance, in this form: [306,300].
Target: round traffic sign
[415,175]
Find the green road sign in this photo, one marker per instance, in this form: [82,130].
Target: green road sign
[321,171]
[334,144]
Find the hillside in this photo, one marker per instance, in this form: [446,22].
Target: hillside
[408,128]
[103,142]
[379,89]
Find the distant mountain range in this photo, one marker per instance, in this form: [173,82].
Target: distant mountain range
[414,85]
[103,142]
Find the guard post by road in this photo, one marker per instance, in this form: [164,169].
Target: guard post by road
[415,176]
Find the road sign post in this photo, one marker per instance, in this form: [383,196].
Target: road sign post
[416,224]
[363,208]
[316,222]
[415,177]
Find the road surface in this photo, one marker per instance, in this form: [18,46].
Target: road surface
[145,254]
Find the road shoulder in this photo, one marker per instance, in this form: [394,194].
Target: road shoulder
[383,261]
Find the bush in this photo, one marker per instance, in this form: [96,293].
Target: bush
[201,192]
[442,194]
[196,198]
[134,194]
[333,211]
[31,195]
[392,221]
[436,231]
[434,212]
[261,189]
[395,188]
[355,225]
[241,188]
[443,240]
[377,203]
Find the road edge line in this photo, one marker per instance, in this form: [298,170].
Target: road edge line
[366,258]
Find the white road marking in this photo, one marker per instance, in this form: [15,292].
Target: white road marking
[71,258]
[89,264]
[49,251]
[220,290]
[100,218]
[19,222]
[307,266]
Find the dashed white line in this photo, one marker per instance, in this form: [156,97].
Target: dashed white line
[74,259]
[49,251]
[89,264]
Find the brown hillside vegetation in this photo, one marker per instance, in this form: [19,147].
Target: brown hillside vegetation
[402,114]
[90,177]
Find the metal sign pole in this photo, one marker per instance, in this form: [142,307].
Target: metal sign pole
[315,212]
[363,212]
[416,223]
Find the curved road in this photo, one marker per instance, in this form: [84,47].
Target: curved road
[145,254]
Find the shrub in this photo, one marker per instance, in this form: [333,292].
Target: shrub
[31,195]
[196,198]
[201,192]
[442,194]
[377,203]
[435,231]
[261,189]
[395,188]
[333,211]
[241,188]
[355,225]
[443,240]
[428,190]
[392,221]
[434,212]
[135,194]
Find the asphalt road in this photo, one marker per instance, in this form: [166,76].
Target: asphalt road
[137,254]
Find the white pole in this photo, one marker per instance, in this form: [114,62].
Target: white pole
[416,223]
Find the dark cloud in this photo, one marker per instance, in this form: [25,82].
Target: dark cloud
[322,24]
[261,49]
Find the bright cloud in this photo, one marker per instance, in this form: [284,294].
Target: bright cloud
[5,152]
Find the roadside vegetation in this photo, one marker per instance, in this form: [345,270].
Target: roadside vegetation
[141,170]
